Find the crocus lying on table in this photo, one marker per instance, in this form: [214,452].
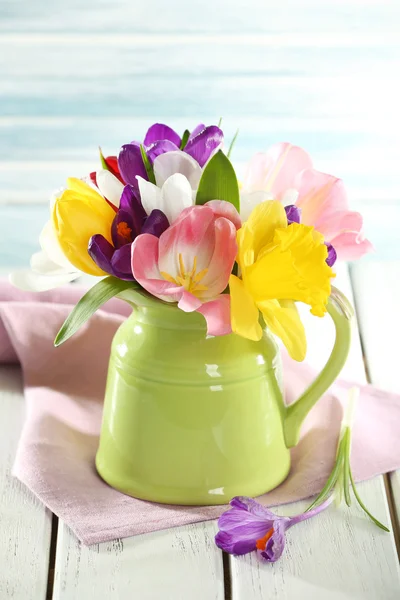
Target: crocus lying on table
[249,526]
[167,217]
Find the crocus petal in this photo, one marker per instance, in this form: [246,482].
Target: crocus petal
[223,258]
[204,144]
[248,201]
[176,194]
[217,315]
[292,214]
[252,506]
[130,164]
[283,320]
[244,312]
[121,263]
[276,543]
[159,131]
[28,281]
[110,187]
[332,255]
[198,129]
[150,195]
[129,220]
[156,223]
[101,252]
[221,208]
[170,163]
[188,302]
[159,148]
[275,170]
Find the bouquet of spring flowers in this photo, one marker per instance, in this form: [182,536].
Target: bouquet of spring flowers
[169,218]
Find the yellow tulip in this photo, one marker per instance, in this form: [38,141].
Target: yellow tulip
[279,264]
[79,213]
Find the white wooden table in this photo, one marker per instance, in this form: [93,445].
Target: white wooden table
[339,555]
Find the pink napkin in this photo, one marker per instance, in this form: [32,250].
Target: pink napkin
[64,391]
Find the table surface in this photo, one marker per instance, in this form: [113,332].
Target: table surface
[340,554]
[319,74]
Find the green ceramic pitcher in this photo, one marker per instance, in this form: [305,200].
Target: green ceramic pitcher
[195,419]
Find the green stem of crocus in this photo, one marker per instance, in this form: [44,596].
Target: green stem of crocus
[332,479]
[232,144]
[360,502]
[346,465]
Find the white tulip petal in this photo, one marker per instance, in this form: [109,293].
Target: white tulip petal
[290,197]
[43,265]
[248,201]
[110,187]
[56,194]
[176,195]
[169,163]
[28,281]
[150,195]
[49,243]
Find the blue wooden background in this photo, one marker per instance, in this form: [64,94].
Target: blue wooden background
[75,75]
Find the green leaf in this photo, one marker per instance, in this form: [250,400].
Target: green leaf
[185,138]
[232,143]
[103,160]
[100,293]
[147,165]
[219,182]
[330,484]
[360,502]
[220,122]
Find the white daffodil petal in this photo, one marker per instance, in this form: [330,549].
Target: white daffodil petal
[169,163]
[150,195]
[27,280]
[248,201]
[176,195]
[49,243]
[43,265]
[110,187]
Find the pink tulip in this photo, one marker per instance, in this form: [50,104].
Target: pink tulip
[285,173]
[191,262]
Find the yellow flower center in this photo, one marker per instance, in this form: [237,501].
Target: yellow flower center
[124,231]
[188,279]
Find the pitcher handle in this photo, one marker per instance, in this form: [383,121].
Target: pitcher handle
[342,314]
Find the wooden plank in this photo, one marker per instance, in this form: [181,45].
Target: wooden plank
[377,291]
[340,554]
[174,564]
[256,16]
[25,525]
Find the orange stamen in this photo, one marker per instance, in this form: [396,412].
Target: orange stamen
[124,231]
[262,542]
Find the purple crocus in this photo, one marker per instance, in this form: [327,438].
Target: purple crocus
[200,145]
[129,221]
[293,215]
[249,526]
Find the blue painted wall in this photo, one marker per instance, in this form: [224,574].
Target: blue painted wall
[75,75]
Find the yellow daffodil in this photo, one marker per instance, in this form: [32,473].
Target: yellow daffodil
[79,213]
[279,264]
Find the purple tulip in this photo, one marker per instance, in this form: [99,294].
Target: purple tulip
[249,526]
[293,215]
[130,221]
[201,144]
